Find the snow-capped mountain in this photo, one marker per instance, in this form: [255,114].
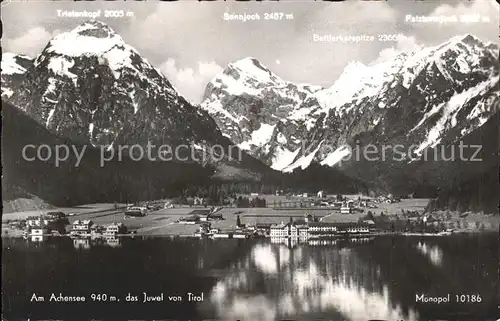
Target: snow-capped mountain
[259,111]
[89,85]
[433,95]
[417,99]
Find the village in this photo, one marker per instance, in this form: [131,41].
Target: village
[299,217]
[83,232]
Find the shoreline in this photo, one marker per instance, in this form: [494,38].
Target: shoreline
[325,237]
[165,222]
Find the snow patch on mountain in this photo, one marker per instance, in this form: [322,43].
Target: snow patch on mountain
[216,107]
[283,157]
[60,66]
[304,161]
[484,107]
[10,65]
[234,86]
[302,113]
[336,156]
[462,65]
[50,116]
[118,58]
[356,82]
[281,138]
[259,137]
[448,113]
[7,92]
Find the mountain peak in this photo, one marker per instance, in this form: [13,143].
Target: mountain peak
[354,70]
[467,39]
[355,66]
[250,62]
[94,28]
[472,40]
[89,38]
[253,70]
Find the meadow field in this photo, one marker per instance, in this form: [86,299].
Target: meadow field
[163,222]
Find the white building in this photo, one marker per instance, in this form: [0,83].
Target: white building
[319,228]
[279,230]
[81,227]
[353,228]
[303,231]
[329,229]
[347,207]
[289,230]
[115,228]
[37,221]
[358,229]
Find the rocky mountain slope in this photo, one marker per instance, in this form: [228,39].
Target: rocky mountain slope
[259,111]
[419,101]
[14,68]
[90,86]
[434,90]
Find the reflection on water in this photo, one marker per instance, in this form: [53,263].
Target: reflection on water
[265,259]
[433,252]
[255,280]
[87,242]
[292,282]
[82,243]
[39,238]
[360,240]
[113,241]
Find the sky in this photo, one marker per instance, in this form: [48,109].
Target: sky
[190,42]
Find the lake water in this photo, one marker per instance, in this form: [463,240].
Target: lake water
[257,280]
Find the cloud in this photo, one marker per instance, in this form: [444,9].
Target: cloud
[30,43]
[189,33]
[322,63]
[487,31]
[190,82]
[406,44]
[485,7]
[432,34]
